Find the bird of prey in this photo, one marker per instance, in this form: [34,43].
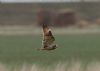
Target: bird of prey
[48,39]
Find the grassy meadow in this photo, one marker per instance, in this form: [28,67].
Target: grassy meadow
[20,53]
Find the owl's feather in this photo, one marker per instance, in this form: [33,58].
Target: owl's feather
[48,39]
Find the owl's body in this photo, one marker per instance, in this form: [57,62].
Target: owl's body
[48,39]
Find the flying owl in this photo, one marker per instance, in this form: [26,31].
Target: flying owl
[48,39]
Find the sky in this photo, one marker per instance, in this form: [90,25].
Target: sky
[42,0]
[37,0]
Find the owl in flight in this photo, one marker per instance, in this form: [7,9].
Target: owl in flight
[48,39]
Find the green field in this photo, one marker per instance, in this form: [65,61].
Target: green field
[23,49]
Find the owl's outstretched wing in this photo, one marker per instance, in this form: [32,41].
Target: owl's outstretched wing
[47,34]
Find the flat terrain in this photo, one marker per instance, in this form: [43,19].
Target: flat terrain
[20,49]
[78,49]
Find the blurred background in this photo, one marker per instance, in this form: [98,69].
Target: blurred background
[57,13]
[74,23]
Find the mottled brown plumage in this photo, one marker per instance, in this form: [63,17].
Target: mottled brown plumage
[48,39]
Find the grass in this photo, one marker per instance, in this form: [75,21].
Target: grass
[74,66]
[23,49]
[76,52]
